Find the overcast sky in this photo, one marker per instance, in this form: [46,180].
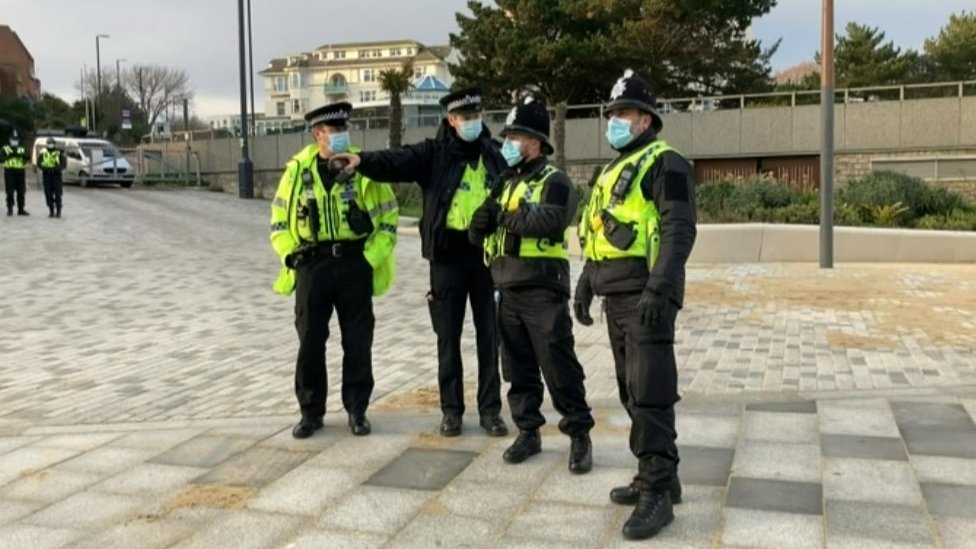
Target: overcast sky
[201,35]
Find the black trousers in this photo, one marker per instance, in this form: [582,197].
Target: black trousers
[346,285]
[452,283]
[537,338]
[53,189]
[647,379]
[15,182]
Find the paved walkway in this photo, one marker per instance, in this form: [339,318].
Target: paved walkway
[145,401]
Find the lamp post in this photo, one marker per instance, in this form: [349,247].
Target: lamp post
[827,151]
[118,73]
[98,79]
[245,170]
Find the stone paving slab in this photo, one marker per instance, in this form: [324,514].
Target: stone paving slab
[758,493]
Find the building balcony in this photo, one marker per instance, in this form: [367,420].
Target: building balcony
[336,89]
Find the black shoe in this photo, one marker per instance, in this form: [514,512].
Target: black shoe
[580,455]
[57,213]
[494,425]
[652,513]
[451,425]
[22,212]
[10,212]
[359,425]
[526,445]
[50,213]
[306,427]
[628,495]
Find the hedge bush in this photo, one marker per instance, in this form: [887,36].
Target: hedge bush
[883,199]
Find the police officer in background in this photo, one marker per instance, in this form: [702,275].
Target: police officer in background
[14,159]
[637,233]
[334,232]
[52,162]
[523,227]
[455,171]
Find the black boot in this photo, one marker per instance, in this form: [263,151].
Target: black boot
[10,211]
[494,425]
[307,426]
[57,210]
[359,425]
[50,212]
[526,445]
[451,425]
[628,495]
[22,212]
[580,455]
[652,513]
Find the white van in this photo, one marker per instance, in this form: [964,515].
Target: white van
[89,160]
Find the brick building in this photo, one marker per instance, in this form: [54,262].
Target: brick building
[16,67]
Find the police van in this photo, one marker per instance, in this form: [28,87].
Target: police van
[89,160]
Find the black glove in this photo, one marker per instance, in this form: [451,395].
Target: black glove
[652,307]
[291,261]
[582,300]
[485,218]
[359,220]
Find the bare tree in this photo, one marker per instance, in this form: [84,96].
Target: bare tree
[155,87]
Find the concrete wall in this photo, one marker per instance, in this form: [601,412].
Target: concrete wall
[762,243]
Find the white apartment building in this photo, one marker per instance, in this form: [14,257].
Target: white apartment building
[350,72]
[262,125]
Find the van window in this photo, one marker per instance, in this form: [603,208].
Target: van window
[73,153]
[107,151]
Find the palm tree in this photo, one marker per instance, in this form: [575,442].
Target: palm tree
[396,82]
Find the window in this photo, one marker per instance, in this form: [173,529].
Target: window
[369,75]
[396,52]
[409,51]
[366,96]
[363,53]
[418,72]
[339,54]
[280,108]
[280,84]
[297,81]
[296,106]
[377,53]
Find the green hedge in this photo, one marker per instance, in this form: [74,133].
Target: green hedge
[881,199]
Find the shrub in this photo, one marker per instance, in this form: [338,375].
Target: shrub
[960,219]
[898,199]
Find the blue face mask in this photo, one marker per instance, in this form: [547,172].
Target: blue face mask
[512,152]
[618,132]
[339,142]
[469,130]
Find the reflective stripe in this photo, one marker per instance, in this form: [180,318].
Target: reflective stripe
[388,228]
[282,226]
[388,206]
[280,202]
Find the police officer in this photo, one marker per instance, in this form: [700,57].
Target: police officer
[526,247]
[52,162]
[455,171]
[637,232]
[334,232]
[14,159]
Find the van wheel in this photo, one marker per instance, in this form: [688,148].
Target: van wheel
[126,184]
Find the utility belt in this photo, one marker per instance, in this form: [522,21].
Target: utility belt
[331,249]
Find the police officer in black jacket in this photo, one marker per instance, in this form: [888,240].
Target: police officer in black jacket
[637,233]
[523,230]
[455,171]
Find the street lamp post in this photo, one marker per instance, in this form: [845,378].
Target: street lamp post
[245,170]
[827,152]
[98,79]
[118,73]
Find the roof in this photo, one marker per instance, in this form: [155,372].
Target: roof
[348,45]
[441,52]
[19,41]
[275,65]
[430,83]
